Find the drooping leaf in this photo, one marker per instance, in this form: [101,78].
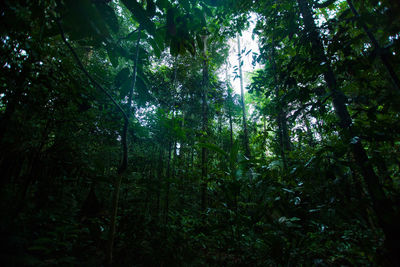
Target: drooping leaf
[154,45]
[121,77]
[112,56]
[151,8]
[140,15]
[214,148]
[109,16]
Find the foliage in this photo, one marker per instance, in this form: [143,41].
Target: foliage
[303,199]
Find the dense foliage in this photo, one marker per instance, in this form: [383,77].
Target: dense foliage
[123,144]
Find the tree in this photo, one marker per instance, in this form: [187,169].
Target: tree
[120,134]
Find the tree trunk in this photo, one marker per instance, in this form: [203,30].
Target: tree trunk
[230,117]
[229,104]
[387,216]
[159,179]
[124,162]
[283,135]
[168,184]
[245,131]
[204,152]
[166,210]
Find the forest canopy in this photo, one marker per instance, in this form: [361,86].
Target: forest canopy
[124,143]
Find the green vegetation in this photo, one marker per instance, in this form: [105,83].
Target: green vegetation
[123,144]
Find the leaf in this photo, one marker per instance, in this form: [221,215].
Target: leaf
[275,165]
[163,4]
[109,16]
[207,10]
[200,16]
[185,4]
[126,86]
[141,88]
[189,45]
[154,45]
[160,38]
[174,47]
[214,148]
[112,56]
[121,77]
[355,140]
[83,20]
[199,42]
[282,219]
[140,15]
[288,190]
[234,153]
[151,8]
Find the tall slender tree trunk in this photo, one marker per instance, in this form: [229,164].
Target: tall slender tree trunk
[159,179]
[245,131]
[387,215]
[229,104]
[124,162]
[283,135]
[204,152]
[382,55]
[168,184]
[265,134]
[173,141]
[230,117]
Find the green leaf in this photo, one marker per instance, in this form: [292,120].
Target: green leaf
[163,4]
[159,38]
[199,42]
[109,16]
[112,56]
[85,20]
[126,87]
[155,47]
[200,16]
[207,11]
[234,153]
[174,47]
[185,4]
[214,148]
[151,8]
[140,15]
[121,77]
